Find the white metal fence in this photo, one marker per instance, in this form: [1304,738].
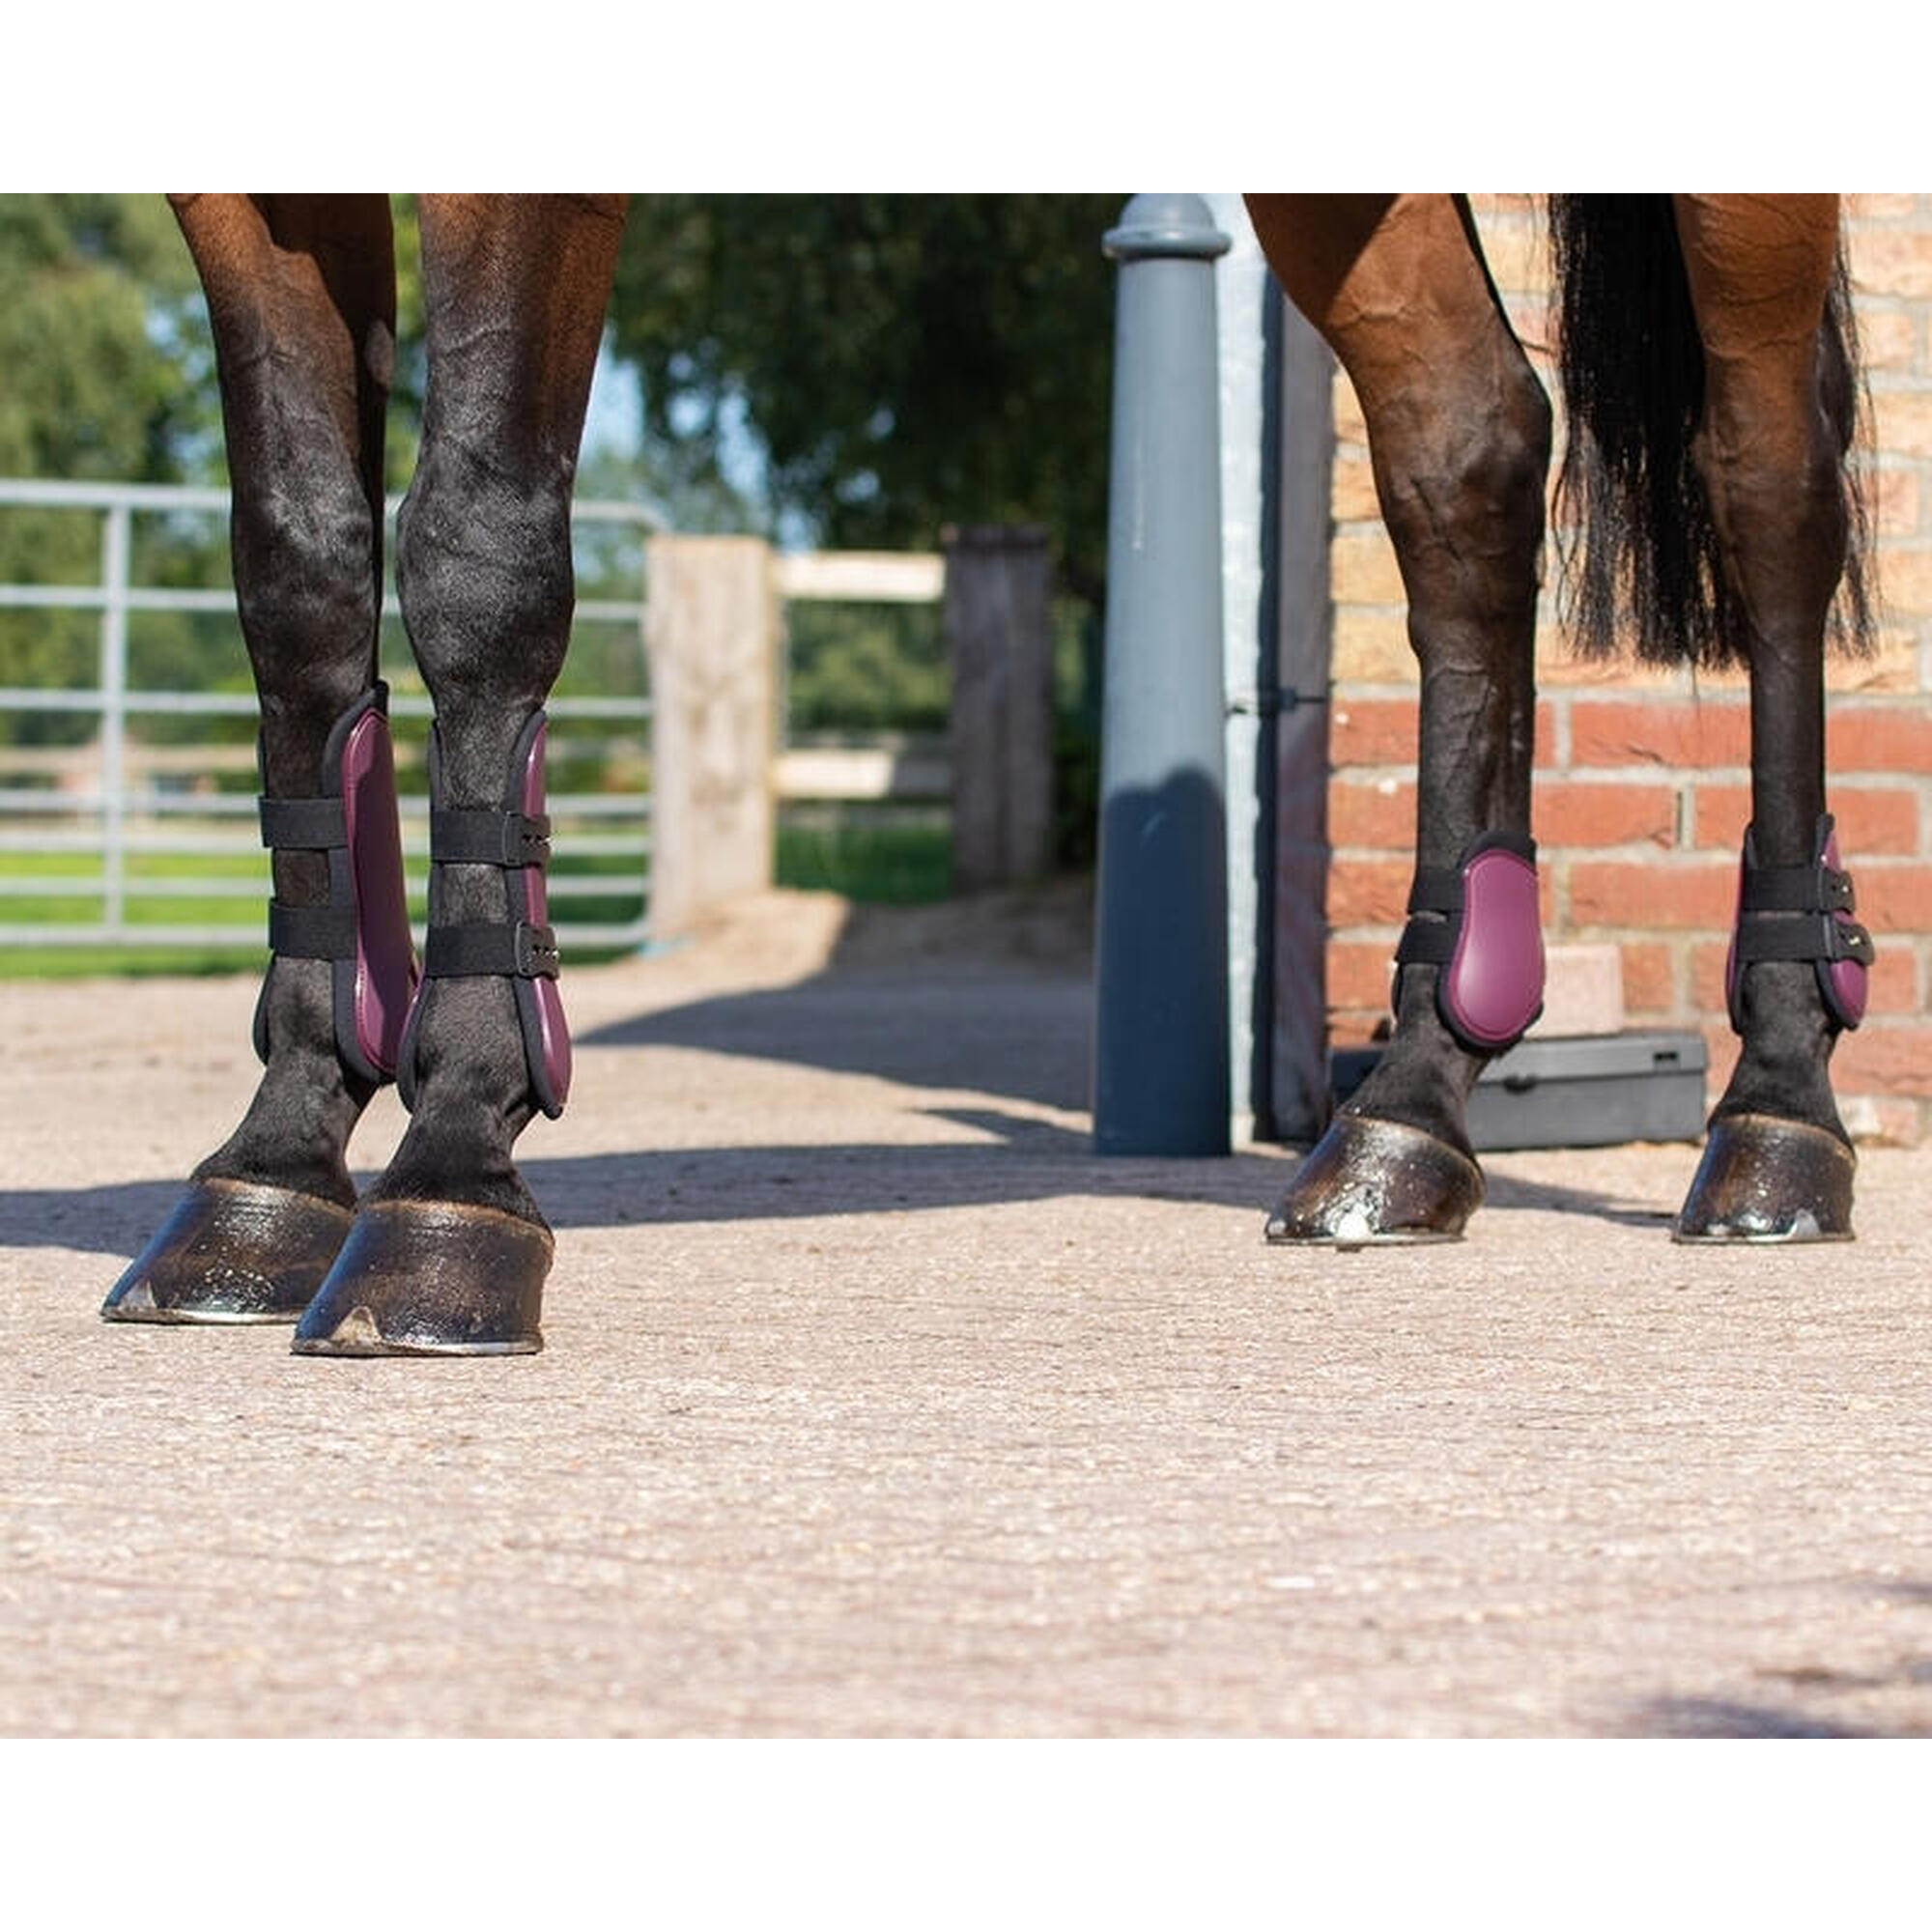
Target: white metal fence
[103,804]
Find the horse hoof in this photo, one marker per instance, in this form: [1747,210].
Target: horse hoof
[1370,1181]
[232,1251]
[1766,1180]
[431,1278]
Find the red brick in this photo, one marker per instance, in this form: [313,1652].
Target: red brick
[1371,646]
[1349,425]
[1545,736]
[1352,490]
[1368,892]
[1372,813]
[1569,812]
[1894,988]
[1358,973]
[1884,1056]
[1863,207]
[1722,1046]
[1894,505]
[1890,262]
[1650,978]
[1559,663]
[1890,665]
[1905,578]
[1362,566]
[1355,1026]
[1895,896]
[1691,896]
[1887,338]
[1661,731]
[1871,819]
[1902,421]
[1371,731]
[1878,738]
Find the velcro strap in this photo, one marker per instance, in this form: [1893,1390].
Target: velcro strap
[491,949]
[473,838]
[1824,937]
[311,932]
[302,824]
[1428,942]
[1435,891]
[1814,887]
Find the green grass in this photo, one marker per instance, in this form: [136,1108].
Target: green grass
[877,861]
[880,862]
[84,962]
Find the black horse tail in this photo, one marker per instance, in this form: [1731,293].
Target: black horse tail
[1635,530]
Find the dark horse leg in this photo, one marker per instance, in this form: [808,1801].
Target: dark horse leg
[1777,1164]
[302,296]
[449,1252]
[1459,434]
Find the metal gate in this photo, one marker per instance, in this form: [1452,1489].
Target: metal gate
[111,821]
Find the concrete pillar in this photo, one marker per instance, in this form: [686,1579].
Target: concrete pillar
[999,643]
[1161,1084]
[711,632]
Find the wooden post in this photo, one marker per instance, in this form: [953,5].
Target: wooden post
[711,631]
[999,642]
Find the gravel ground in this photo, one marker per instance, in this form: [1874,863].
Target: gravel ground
[873,1403]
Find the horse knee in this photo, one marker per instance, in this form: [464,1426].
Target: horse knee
[483,571]
[305,583]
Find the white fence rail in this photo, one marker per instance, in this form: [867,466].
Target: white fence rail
[122,813]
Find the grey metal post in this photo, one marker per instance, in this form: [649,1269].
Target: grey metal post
[1160,1084]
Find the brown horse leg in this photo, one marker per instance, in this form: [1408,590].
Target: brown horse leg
[302,296]
[1779,1162]
[449,1250]
[1459,434]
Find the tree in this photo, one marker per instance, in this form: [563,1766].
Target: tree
[905,361]
[108,376]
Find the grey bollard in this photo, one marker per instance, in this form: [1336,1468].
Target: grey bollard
[1160,1076]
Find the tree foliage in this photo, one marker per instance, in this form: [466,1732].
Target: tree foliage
[905,361]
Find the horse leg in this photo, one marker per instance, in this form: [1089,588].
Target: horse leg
[1777,1164]
[1459,436]
[302,296]
[449,1250]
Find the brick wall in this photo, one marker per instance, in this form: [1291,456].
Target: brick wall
[1643,778]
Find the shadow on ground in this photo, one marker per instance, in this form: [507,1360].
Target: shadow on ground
[1023,1039]
[1785,1715]
[1020,1159]
[1507,1190]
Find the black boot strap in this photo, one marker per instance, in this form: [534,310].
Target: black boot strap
[311,932]
[1813,887]
[302,824]
[1428,942]
[491,949]
[509,840]
[1826,937]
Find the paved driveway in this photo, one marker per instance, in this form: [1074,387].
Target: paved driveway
[874,1404]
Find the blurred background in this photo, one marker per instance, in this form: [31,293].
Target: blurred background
[841,374]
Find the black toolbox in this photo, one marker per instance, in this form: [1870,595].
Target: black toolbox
[1586,1092]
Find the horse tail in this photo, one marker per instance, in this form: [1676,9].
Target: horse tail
[1635,535]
